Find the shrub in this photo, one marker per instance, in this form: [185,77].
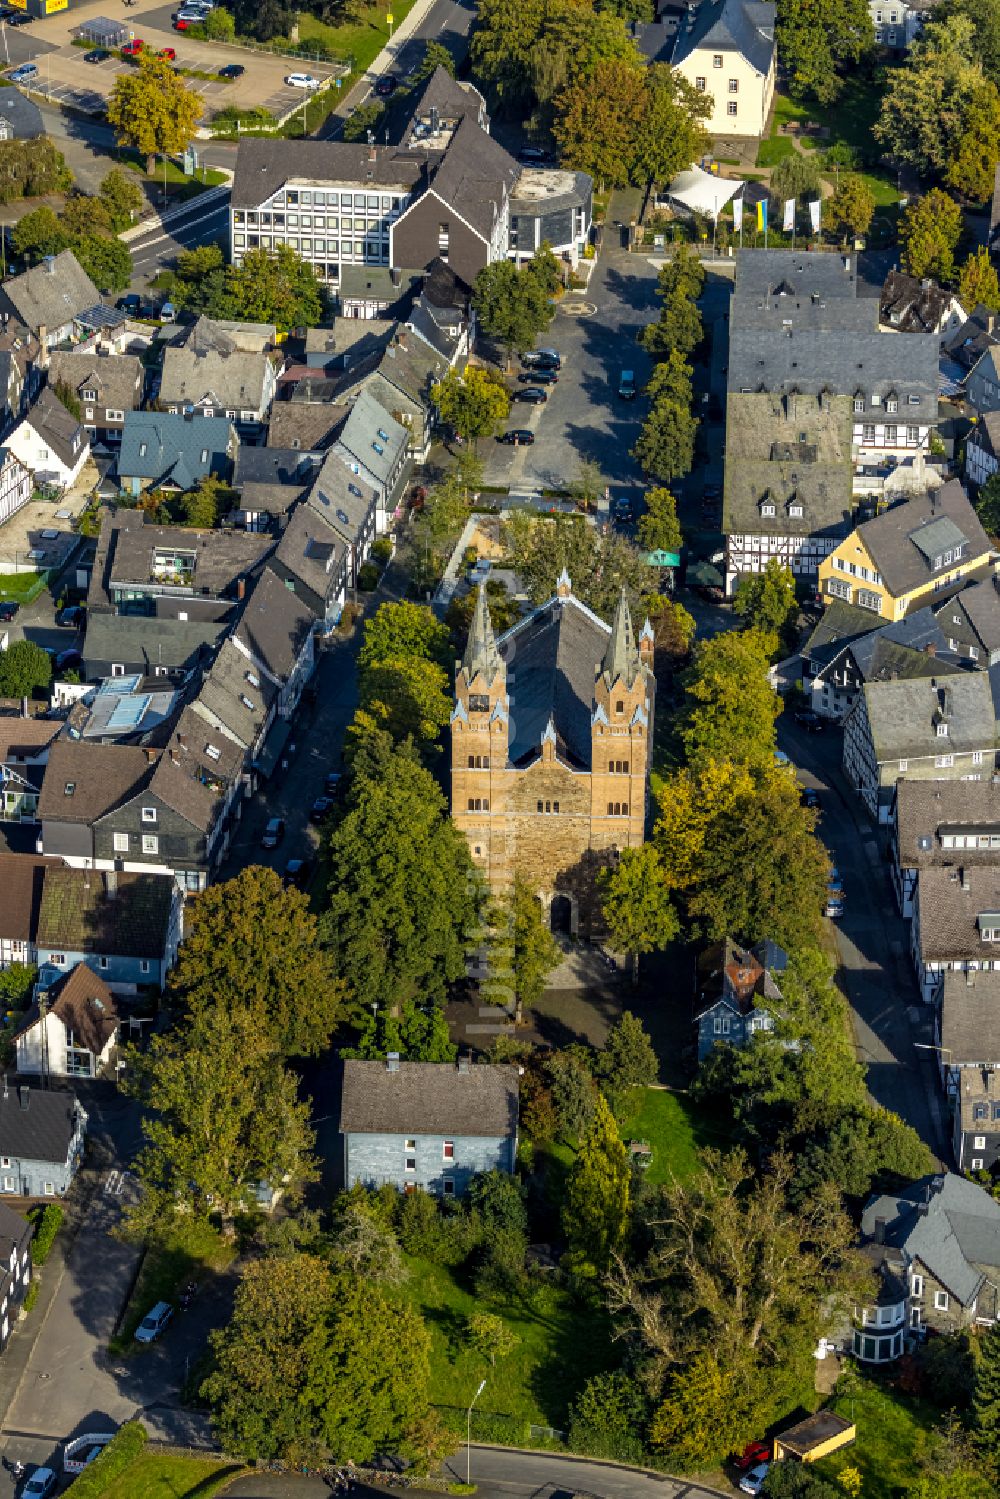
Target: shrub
[31,1296]
[47,1221]
[100,1476]
[368,577]
[608,1417]
[382,550]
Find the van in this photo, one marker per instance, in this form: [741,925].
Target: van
[626,386]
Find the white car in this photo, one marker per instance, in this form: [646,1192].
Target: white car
[753,1482]
[41,1483]
[302,80]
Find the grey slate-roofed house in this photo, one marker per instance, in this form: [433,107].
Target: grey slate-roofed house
[941,1237]
[238,701]
[48,297]
[956,923]
[982,387]
[311,560]
[20,372]
[275,634]
[444,102]
[970,620]
[105,385]
[178,571]
[976,1126]
[910,304]
[349,503]
[304,426]
[926,728]
[213,382]
[15,1262]
[269,482]
[114,646]
[41,1140]
[173,452]
[844,652]
[427,1124]
[550,206]
[967,1034]
[400,380]
[941,824]
[49,442]
[740,995]
[376,449]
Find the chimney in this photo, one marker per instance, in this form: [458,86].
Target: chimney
[372,154]
[991,320]
[241,588]
[24,1096]
[879,1230]
[930,648]
[49,262]
[392,1061]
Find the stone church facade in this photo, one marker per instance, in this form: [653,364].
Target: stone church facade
[550,749]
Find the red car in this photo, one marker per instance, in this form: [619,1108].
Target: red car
[755,1452]
[133,48]
[168,53]
[180,25]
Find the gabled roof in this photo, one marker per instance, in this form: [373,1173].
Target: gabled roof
[949,1224]
[451,101]
[155,444]
[21,879]
[923,807]
[910,304]
[173,643]
[952,901]
[429,1098]
[902,716]
[372,437]
[117,378]
[845,361]
[86,1007]
[36,1124]
[52,293]
[274,625]
[905,541]
[20,737]
[263,166]
[58,429]
[196,376]
[21,113]
[980,605]
[344,499]
[743,26]
[236,694]
[85,781]
[985,433]
[311,551]
[475,177]
[273,479]
[987,367]
[304,426]
[970,1018]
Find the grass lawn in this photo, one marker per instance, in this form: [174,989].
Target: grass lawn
[849,120]
[161,1475]
[354,42]
[24,587]
[190,1252]
[673,1128]
[560,1346]
[774,150]
[890,1427]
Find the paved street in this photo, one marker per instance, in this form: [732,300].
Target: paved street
[876,973]
[199,224]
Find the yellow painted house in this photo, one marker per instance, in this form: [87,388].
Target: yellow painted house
[913,554]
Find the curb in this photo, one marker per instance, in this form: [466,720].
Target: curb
[159,220]
[602,1462]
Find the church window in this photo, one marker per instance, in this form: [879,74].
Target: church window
[478,702]
[617,809]
[619,707]
[618,767]
[479,762]
[479,804]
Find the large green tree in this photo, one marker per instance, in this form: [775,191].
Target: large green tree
[977,282]
[404,629]
[152,109]
[598,119]
[503,44]
[820,42]
[511,305]
[106,261]
[407,696]
[659,528]
[474,402]
[599,566]
[595,1213]
[522,950]
[851,209]
[251,944]
[766,601]
[636,904]
[665,448]
[670,134]
[627,1059]
[730,707]
[987,506]
[986,1396]
[24,668]
[274,287]
[929,233]
[405,900]
[926,100]
[417,1033]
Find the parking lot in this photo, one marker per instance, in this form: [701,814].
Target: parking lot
[67,79]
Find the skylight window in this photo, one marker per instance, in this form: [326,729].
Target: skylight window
[380,450]
[213,752]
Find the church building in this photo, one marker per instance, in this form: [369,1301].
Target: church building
[550,749]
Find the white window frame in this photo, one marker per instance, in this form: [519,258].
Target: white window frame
[916,1285]
[120,842]
[150,843]
[149,814]
[941,1301]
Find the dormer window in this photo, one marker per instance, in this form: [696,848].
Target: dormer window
[892,403]
[859,401]
[69,788]
[149,814]
[213,752]
[989,926]
[942,729]
[380,450]
[767,507]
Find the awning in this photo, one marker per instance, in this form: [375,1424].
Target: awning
[273,746]
[703,192]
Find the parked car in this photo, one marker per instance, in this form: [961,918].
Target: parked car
[70,660]
[26,71]
[753,1481]
[833,907]
[834,882]
[21,19]
[542,359]
[40,1484]
[234,70]
[297,873]
[8,611]
[96,54]
[533,156]
[334,783]
[321,808]
[540,376]
[302,80]
[519,435]
[780,758]
[273,833]
[752,1454]
[168,53]
[626,386]
[184,23]
[82,1450]
[533,394]
[133,48]
[811,798]
[154,1322]
[810,721]
[386,85]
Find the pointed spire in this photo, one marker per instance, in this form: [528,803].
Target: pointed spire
[621,659]
[481,654]
[564,585]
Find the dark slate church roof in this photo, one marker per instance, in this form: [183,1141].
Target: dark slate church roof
[554,656]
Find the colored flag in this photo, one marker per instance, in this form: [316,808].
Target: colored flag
[762,214]
[814,211]
[737,214]
[789,221]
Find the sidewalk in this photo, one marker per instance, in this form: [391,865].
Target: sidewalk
[334,121]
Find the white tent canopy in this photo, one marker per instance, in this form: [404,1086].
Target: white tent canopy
[702,192]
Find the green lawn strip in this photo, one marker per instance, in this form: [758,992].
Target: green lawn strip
[24,587]
[890,1428]
[560,1345]
[162,1475]
[675,1130]
[849,119]
[354,43]
[189,1252]
[773,151]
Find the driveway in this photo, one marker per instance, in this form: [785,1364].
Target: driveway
[876,973]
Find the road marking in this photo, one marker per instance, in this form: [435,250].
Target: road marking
[180,228]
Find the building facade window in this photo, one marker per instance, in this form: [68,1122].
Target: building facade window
[940,1301]
[732,108]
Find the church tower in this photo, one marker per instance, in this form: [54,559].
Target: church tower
[621,731]
[480,726]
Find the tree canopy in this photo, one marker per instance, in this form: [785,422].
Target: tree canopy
[977,282]
[767,600]
[595,1214]
[24,668]
[512,305]
[152,109]
[268,287]
[929,232]
[730,707]
[820,43]
[474,402]
[598,565]
[416,1033]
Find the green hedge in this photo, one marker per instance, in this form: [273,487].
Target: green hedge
[47,1221]
[31,1296]
[118,1456]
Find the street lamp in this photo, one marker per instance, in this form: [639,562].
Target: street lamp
[468,1434]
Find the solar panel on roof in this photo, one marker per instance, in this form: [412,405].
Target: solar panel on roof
[100,317]
[127,713]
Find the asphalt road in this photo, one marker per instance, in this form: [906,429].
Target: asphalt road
[199,224]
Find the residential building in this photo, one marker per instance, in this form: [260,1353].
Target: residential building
[312,561]
[41,1140]
[238,702]
[71,1029]
[20,117]
[941,825]
[554,790]
[173,452]
[982,385]
[219,381]
[350,505]
[106,386]
[16,485]
[125,927]
[982,449]
[123,710]
[21,373]
[24,750]
[21,879]
[115,647]
[909,555]
[910,304]
[443,104]
[725,48]
[49,297]
[173,572]
[897,24]
[375,291]
[304,426]
[15,1254]
[208,335]
[275,636]
[962,350]
[399,379]
[849,648]
[940,1239]
[739,995]
[50,443]
[956,923]
[428,1125]
[937,728]
[967,1030]
[976,1125]
[970,622]
[808,378]
[346,341]
[376,449]
[550,206]
[269,483]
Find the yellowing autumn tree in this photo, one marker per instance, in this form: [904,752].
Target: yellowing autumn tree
[152,110]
